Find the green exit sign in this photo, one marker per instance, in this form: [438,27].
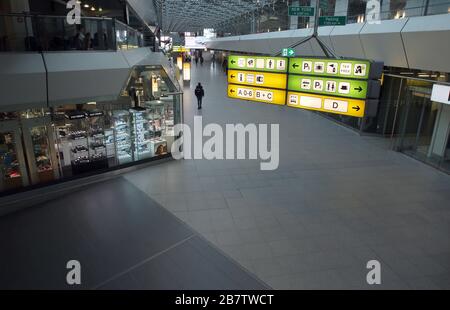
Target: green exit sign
[302,11]
[288,52]
[332,21]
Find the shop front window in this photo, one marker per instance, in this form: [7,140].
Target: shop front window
[10,170]
[42,154]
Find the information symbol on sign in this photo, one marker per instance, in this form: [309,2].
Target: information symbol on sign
[260,79]
[270,64]
[360,70]
[250,78]
[307,66]
[344,88]
[241,77]
[331,86]
[332,68]
[306,84]
[318,85]
[260,63]
[241,62]
[250,63]
[346,68]
[281,65]
[319,67]
[293,100]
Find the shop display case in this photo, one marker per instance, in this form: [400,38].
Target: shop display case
[13,172]
[77,137]
[122,132]
[142,133]
[96,139]
[40,146]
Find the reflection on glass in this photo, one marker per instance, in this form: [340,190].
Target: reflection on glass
[41,149]
[9,164]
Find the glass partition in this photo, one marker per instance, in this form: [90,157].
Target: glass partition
[24,33]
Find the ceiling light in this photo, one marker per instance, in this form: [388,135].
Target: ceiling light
[92,9]
[86,6]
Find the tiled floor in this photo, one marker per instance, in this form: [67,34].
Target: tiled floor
[122,239]
[337,201]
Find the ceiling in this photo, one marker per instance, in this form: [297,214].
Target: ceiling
[196,15]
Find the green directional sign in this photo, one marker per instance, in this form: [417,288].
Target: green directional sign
[339,68]
[302,11]
[288,52]
[332,20]
[258,63]
[355,89]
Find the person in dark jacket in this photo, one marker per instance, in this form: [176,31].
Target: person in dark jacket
[199,93]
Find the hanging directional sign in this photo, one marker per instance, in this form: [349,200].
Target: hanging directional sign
[259,79]
[332,20]
[258,63]
[356,89]
[288,52]
[350,69]
[272,96]
[343,106]
[302,11]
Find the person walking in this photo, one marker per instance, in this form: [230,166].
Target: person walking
[199,93]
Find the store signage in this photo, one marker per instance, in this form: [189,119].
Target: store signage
[95,113]
[75,115]
[180,63]
[288,52]
[335,105]
[179,49]
[186,71]
[273,96]
[259,79]
[302,11]
[258,63]
[356,89]
[350,69]
[441,93]
[332,20]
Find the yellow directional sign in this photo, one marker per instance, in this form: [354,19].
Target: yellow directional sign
[343,106]
[258,79]
[273,96]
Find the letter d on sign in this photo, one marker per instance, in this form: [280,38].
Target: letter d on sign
[74,15]
[74,275]
[374,275]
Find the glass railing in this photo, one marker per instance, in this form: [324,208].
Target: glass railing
[276,17]
[127,37]
[32,33]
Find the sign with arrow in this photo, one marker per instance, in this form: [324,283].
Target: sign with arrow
[272,96]
[288,52]
[339,68]
[258,63]
[301,11]
[259,79]
[328,104]
[356,89]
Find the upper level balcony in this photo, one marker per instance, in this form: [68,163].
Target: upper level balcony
[41,33]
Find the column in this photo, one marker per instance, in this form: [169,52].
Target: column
[312,19]
[341,8]
[293,20]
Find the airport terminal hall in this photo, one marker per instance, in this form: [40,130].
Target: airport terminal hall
[202,147]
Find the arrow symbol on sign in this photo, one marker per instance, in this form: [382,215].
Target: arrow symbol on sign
[359,89]
[295,66]
[232,91]
[233,62]
[357,108]
[233,76]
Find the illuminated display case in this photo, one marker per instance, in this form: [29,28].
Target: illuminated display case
[143,127]
[96,139]
[40,146]
[13,172]
[122,133]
